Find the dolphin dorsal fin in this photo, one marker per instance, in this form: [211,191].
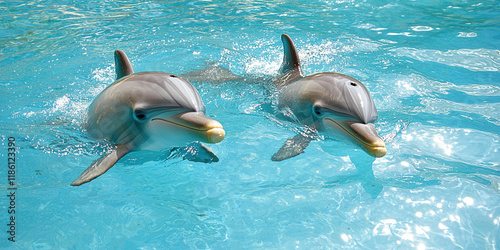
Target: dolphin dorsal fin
[122,64]
[290,69]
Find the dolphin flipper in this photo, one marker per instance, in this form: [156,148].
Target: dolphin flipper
[123,67]
[292,147]
[201,153]
[196,152]
[101,165]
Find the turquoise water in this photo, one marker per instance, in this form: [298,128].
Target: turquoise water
[432,68]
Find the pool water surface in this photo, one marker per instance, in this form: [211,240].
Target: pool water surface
[432,69]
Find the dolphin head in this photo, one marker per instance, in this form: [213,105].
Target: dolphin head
[172,112]
[162,109]
[336,103]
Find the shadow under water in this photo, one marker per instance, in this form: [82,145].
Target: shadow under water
[364,174]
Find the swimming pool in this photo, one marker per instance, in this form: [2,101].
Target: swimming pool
[432,70]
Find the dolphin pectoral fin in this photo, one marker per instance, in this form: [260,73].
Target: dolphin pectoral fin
[123,67]
[292,147]
[101,165]
[201,153]
[195,152]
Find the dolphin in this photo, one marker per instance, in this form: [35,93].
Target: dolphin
[331,102]
[147,111]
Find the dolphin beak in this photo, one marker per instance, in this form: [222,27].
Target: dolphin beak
[365,135]
[368,137]
[209,130]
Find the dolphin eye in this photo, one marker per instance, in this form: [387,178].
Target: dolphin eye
[140,115]
[354,84]
[317,110]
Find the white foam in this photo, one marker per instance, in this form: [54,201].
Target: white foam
[467,34]
[421,28]
[106,75]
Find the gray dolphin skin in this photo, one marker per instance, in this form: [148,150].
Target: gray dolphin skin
[334,103]
[147,111]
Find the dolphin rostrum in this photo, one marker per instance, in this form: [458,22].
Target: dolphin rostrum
[331,102]
[147,111]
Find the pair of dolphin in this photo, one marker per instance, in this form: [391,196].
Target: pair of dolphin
[156,110]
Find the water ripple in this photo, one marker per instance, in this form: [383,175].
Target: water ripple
[431,67]
[471,59]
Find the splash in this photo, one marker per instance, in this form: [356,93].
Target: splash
[104,75]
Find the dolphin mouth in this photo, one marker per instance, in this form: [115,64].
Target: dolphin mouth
[209,130]
[364,134]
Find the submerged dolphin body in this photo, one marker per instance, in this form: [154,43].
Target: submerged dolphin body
[147,111]
[335,103]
